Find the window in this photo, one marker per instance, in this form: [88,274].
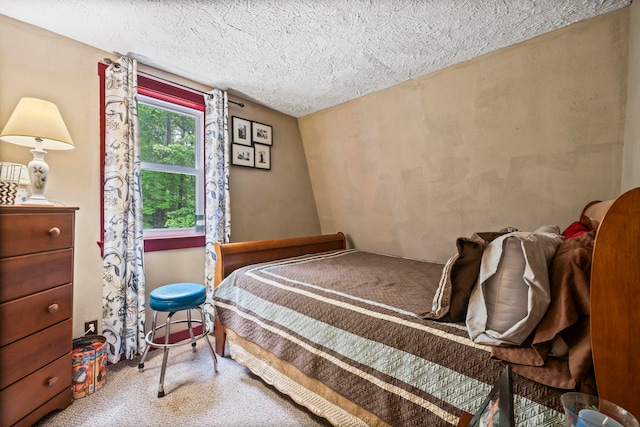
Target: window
[171,130]
[171,143]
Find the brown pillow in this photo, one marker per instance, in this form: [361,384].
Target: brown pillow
[458,277]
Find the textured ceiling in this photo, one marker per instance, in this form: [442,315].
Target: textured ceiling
[299,57]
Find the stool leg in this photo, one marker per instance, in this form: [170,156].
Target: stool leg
[146,350]
[205,331]
[193,343]
[166,354]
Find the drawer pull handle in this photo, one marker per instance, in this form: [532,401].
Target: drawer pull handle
[51,382]
[54,232]
[53,308]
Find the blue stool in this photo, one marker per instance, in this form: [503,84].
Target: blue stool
[171,299]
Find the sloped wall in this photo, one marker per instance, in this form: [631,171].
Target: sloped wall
[521,137]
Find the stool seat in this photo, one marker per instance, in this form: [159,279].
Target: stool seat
[177,297]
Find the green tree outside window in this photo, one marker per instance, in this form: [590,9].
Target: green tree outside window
[167,138]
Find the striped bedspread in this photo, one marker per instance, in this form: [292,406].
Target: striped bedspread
[347,318]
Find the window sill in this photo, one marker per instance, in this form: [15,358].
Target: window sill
[168,243]
[152,244]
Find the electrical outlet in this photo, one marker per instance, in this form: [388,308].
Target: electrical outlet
[91,328]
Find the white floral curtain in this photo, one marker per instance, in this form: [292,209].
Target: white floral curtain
[123,298]
[217,211]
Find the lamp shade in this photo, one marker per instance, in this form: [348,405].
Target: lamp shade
[37,123]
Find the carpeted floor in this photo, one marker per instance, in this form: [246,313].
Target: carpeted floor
[194,396]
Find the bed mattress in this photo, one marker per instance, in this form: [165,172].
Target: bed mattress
[347,320]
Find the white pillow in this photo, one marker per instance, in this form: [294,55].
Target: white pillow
[512,293]
[506,291]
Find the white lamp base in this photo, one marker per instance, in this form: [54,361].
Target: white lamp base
[39,174]
[37,201]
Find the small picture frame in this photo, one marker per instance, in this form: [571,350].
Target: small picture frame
[241,129]
[497,408]
[242,155]
[262,134]
[262,156]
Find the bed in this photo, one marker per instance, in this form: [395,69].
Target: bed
[371,356]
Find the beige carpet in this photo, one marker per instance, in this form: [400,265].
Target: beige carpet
[194,396]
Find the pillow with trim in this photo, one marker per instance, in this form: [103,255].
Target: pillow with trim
[459,275]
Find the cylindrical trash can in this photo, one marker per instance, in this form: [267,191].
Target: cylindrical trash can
[89,365]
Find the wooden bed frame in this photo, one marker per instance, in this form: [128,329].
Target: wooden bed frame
[231,256]
[615,303]
[615,291]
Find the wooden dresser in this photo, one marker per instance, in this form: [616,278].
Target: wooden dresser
[36,306]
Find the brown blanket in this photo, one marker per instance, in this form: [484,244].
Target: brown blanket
[566,320]
[346,319]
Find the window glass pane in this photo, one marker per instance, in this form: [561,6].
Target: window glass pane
[169,200]
[167,137]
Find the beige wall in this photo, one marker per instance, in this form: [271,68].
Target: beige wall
[631,164]
[265,204]
[521,137]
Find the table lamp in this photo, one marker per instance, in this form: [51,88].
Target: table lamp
[37,123]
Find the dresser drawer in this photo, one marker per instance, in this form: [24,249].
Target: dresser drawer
[26,233]
[20,398]
[20,358]
[30,314]
[60,401]
[27,274]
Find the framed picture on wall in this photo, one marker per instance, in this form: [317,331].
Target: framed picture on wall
[242,155]
[262,156]
[241,131]
[262,134]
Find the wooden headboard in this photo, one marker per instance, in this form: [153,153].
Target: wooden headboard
[231,256]
[615,303]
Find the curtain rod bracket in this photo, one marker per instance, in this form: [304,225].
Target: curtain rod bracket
[111,62]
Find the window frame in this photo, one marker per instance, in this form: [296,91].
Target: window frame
[174,95]
[196,171]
